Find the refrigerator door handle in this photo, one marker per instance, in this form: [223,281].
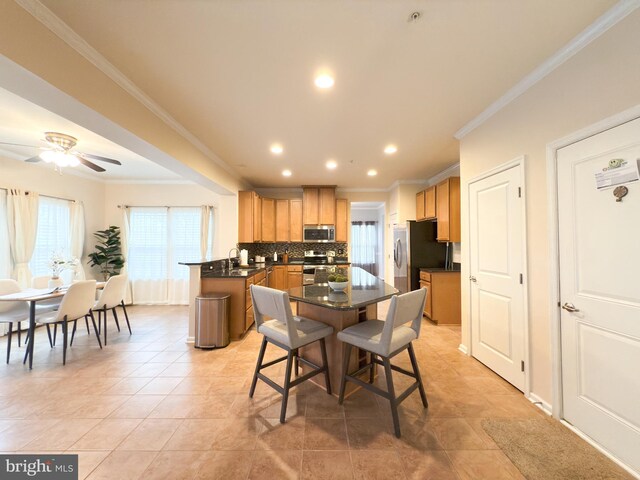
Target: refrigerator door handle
[398,253]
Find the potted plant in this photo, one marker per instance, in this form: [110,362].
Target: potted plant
[57,264]
[108,254]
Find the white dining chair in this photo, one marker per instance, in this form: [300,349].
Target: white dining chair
[111,297]
[42,282]
[386,339]
[75,304]
[289,333]
[12,312]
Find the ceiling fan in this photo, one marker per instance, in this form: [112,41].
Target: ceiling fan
[59,152]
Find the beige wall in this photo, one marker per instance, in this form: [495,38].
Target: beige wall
[598,82]
[41,179]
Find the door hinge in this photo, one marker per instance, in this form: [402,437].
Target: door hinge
[519,192]
[559,304]
[522,365]
[521,279]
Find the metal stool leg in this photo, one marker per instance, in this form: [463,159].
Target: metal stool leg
[9,340]
[287,384]
[392,396]
[126,317]
[325,364]
[416,372]
[345,368]
[263,347]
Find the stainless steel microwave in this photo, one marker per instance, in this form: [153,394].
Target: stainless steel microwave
[319,233]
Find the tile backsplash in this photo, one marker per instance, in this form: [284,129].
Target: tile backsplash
[295,249]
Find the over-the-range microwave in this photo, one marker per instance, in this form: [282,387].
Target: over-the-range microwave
[319,233]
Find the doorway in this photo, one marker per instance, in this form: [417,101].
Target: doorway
[599,298]
[498,272]
[366,249]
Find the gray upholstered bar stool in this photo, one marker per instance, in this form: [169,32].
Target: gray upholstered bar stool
[288,332]
[386,339]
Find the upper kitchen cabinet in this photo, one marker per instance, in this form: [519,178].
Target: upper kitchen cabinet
[426,204]
[282,220]
[268,220]
[319,205]
[295,220]
[342,220]
[249,217]
[448,210]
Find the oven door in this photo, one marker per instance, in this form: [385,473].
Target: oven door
[308,274]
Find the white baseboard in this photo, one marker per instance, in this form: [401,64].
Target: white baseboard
[191,339]
[463,349]
[541,404]
[598,447]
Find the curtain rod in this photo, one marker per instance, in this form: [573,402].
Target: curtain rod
[42,195]
[164,206]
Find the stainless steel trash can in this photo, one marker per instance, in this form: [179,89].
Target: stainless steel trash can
[212,320]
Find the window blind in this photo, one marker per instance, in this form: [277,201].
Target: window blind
[52,236]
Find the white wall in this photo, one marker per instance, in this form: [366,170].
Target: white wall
[42,179]
[598,82]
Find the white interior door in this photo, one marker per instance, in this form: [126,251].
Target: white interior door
[599,242]
[497,263]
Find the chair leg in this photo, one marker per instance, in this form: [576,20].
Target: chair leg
[19,335]
[416,372]
[104,317]
[126,317]
[49,335]
[325,364]
[287,385]
[99,321]
[9,340]
[296,363]
[115,317]
[263,347]
[73,332]
[95,328]
[65,329]
[373,368]
[86,322]
[55,333]
[392,396]
[345,367]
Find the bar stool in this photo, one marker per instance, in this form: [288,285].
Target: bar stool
[386,339]
[288,332]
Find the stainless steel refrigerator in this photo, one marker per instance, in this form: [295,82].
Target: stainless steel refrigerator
[415,247]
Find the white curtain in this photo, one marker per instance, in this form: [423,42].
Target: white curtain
[76,234]
[53,236]
[205,217]
[364,246]
[5,250]
[124,247]
[22,221]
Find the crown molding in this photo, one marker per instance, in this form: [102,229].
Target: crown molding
[50,20]
[610,18]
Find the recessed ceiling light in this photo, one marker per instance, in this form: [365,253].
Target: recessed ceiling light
[390,149]
[331,164]
[372,173]
[286,173]
[324,81]
[277,149]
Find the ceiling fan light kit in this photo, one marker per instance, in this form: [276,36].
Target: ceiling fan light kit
[61,159]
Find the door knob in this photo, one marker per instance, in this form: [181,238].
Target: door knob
[472,278]
[570,308]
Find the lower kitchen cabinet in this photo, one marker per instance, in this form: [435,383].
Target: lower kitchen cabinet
[278,278]
[443,296]
[294,276]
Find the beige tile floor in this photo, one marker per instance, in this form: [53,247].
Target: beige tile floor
[150,406]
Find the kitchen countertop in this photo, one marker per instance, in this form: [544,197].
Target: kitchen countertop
[438,270]
[363,289]
[252,269]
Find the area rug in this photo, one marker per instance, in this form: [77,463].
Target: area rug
[543,449]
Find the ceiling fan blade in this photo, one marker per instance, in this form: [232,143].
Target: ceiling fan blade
[19,145]
[102,159]
[33,159]
[91,165]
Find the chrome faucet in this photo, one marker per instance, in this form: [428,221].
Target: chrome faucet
[238,254]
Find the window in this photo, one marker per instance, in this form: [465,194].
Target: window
[52,236]
[364,245]
[159,238]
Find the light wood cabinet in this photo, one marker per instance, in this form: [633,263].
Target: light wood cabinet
[268,220]
[249,217]
[294,276]
[448,210]
[295,220]
[282,220]
[430,203]
[342,220]
[443,296]
[420,206]
[319,205]
[278,279]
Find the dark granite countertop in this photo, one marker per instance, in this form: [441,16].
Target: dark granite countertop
[364,289]
[438,270]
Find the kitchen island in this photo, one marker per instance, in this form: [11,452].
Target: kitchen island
[357,303]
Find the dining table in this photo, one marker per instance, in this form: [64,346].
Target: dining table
[32,296]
